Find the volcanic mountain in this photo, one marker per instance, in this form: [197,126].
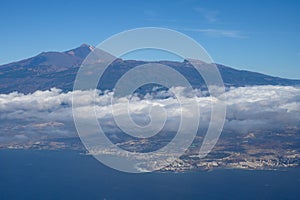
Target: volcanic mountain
[58,69]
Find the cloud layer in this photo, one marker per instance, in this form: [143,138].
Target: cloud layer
[46,114]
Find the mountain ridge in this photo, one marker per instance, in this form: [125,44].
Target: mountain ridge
[58,69]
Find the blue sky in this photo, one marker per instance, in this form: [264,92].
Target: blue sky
[261,36]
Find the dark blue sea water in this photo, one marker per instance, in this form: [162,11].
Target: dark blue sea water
[32,174]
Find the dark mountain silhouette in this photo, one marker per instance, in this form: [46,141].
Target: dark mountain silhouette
[58,69]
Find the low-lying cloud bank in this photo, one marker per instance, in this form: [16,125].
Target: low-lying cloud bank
[45,114]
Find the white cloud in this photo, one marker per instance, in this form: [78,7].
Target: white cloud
[210,15]
[49,113]
[219,33]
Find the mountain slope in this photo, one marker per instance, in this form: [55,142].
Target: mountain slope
[58,69]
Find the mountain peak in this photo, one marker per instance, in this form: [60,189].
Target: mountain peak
[82,51]
[84,45]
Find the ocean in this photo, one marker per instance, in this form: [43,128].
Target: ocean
[66,174]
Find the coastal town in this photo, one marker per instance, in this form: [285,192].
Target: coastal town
[236,152]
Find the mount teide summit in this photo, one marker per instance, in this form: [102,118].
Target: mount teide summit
[58,69]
